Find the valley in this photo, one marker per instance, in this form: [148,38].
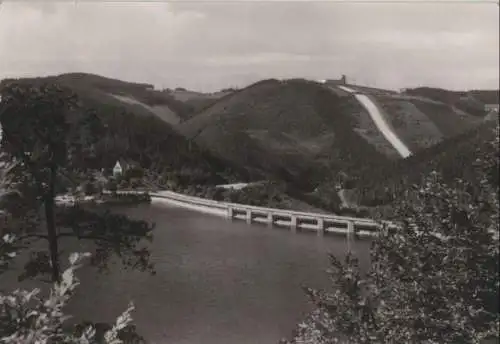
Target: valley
[319,145]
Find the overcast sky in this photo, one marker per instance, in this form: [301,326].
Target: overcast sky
[210,45]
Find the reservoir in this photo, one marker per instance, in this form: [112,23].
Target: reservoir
[217,281]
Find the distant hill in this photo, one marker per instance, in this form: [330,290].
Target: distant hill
[471,102]
[306,131]
[134,133]
[312,136]
[138,98]
[296,130]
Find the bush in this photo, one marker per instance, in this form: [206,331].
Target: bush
[27,318]
[433,279]
[218,194]
[111,186]
[134,172]
[89,188]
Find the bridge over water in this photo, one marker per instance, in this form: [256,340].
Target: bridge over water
[295,220]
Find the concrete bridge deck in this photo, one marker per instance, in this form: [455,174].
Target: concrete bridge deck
[295,220]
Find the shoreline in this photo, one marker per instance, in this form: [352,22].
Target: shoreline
[103,199]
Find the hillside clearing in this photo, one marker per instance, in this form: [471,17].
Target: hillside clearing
[161,111]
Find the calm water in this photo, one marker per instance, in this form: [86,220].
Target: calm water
[217,282]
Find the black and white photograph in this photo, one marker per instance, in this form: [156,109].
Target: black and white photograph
[249,172]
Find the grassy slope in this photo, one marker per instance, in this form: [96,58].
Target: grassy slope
[161,111]
[295,130]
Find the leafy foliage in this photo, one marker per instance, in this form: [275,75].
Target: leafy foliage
[47,133]
[26,317]
[434,277]
[111,233]
[44,133]
[38,133]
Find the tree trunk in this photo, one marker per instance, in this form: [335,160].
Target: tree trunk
[49,203]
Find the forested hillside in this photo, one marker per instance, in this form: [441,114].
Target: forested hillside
[140,99]
[144,139]
[301,134]
[296,130]
[453,158]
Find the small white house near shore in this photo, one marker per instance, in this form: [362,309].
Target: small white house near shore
[121,166]
[118,169]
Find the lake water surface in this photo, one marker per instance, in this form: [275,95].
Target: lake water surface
[217,282]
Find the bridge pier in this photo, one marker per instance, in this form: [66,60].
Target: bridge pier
[230,213]
[270,220]
[350,234]
[321,227]
[293,223]
[249,216]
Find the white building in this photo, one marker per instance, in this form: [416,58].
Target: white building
[122,165]
[118,169]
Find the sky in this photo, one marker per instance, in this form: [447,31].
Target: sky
[209,45]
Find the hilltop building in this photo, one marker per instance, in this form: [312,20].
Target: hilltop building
[341,81]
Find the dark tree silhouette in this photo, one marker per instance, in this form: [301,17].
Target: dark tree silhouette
[433,279]
[48,134]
